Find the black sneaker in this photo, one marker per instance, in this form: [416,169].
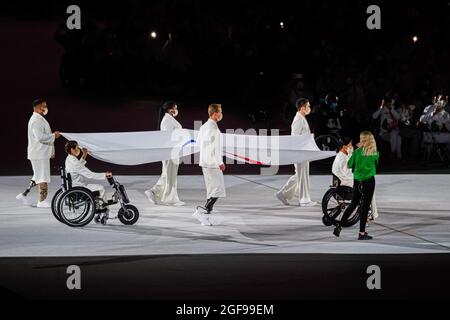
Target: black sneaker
[364,236]
[337,231]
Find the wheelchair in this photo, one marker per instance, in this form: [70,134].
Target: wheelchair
[78,206]
[334,203]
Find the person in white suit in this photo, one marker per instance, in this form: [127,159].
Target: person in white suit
[79,172]
[211,157]
[341,170]
[39,151]
[165,190]
[299,185]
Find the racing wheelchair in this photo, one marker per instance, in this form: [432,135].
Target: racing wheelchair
[336,200]
[78,206]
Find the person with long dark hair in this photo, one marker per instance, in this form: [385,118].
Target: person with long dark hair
[165,190]
[364,162]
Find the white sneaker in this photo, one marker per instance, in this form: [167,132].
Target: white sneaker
[44,204]
[282,198]
[151,196]
[308,204]
[179,204]
[202,218]
[24,199]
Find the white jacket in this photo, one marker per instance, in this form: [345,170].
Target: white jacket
[78,171]
[341,170]
[299,125]
[438,121]
[40,138]
[209,141]
[169,123]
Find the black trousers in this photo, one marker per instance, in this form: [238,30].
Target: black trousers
[364,190]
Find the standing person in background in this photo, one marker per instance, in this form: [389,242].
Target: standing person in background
[389,123]
[40,150]
[364,162]
[299,185]
[165,190]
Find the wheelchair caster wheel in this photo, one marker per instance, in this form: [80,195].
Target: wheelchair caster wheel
[326,221]
[103,220]
[97,219]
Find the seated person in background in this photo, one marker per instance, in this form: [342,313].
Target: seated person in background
[437,120]
[389,127]
[341,170]
[78,170]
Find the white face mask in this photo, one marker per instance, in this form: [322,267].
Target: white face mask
[45,111]
[174,113]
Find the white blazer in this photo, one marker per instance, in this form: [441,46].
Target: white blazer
[299,125]
[169,123]
[78,171]
[341,170]
[40,138]
[209,141]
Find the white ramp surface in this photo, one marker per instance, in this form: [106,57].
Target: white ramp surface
[414,218]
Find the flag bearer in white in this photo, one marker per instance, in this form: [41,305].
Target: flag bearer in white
[298,184]
[211,157]
[40,150]
[165,190]
[79,172]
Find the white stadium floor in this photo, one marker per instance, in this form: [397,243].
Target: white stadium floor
[414,218]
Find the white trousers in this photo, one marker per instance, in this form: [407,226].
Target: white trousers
[165,190]
[215,184]
[298,185]
[41,170]
[97,187]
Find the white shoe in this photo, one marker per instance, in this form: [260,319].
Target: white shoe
[44,204]
[24,199]
[179,204]
[282,198]
[202,217]
[151,196]
[308,204]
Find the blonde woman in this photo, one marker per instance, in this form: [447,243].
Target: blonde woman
[363,162]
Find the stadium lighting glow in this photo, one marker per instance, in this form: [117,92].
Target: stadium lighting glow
[153,35]
[415,39]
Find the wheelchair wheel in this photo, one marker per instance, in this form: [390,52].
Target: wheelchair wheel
[129,217]
[76,207]
[334,203]
[327,142]
[55,205]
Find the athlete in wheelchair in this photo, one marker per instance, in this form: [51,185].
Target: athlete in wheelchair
[340,194]
[77,203]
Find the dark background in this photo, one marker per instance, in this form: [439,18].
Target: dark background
[112,76]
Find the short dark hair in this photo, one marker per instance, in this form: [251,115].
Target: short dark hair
[70,145]
[301,102]
[168,105]
[345,141]
[38,102]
